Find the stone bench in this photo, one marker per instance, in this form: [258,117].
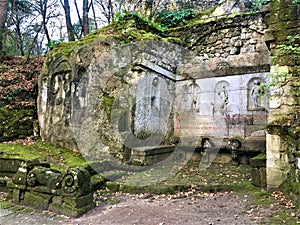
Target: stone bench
[148,155]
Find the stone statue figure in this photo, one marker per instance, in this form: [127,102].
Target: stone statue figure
[221,99]
[194,90]
[256,93]
[155,93]
[223,94]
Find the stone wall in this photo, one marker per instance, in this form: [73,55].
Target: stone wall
[110,98]
[229,45]
[188,4]
[104,98]
[220,109]
[217,100]
[283,139]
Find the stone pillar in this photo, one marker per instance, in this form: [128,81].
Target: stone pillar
[283,122]
[277,161]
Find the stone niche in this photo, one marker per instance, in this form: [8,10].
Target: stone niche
[222,108]
[110,100]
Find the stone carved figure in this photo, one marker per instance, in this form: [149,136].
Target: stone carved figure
[223,94]
[257,100]
[194,91]
[155,93]
[256,94]
[221,97]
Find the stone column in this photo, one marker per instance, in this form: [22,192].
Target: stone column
[283,137]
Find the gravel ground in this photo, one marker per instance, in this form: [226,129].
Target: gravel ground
[187,208]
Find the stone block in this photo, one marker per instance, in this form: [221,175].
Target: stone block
[275,177]
[255,177]
[10,165]
[41,189]
[57,199]
[79,202]
[68,210]
[258,161]
[112,186]
[263,176]
[37,200]
[20,177]
[74,182]
[149,155]
[97,182]
[17,196]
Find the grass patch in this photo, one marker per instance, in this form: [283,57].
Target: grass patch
[58,158]
[282,217]
[6,204]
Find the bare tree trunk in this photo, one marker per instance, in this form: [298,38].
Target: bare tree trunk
[44,8]
[19,35]
[3,12]
[70,29]
[79,18]
[31,46]
[94,14]
[85,18]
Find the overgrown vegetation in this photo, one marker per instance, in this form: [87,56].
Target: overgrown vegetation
[58,158]
[170,19]
[287,53]
[18,81]
[257,4]
[53,43]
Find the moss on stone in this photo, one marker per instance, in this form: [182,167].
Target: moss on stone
[107,103]
[58,158]
[276,129]
[16,122]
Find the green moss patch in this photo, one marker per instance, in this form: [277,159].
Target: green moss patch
[58,158]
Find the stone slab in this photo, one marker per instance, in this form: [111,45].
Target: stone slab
[37,200]
[149,155]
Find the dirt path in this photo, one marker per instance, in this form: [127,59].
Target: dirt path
[196,208]
[236,202]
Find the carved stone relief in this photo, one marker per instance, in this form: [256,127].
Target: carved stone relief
[194,97]
[221,99]
[257,100]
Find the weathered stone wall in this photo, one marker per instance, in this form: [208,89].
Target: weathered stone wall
[228,45]
[188,4]
[234,59]
[220,109]
[109,99]
[282,145]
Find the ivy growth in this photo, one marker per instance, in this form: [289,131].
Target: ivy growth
[277,79]
[290,47]
[170,19]
[141,22]
[53,43]
[257,4]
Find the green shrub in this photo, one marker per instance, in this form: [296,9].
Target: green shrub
[170,19]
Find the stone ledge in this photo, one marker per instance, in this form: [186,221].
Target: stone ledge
[150,150]
[149,155]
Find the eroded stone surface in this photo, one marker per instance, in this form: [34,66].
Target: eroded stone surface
[109,98]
